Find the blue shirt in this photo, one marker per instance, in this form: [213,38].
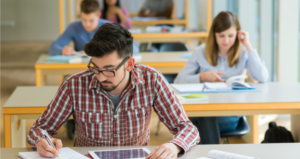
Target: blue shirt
[76,32]
[198,64]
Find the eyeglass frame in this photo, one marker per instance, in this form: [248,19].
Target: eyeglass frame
[101,71]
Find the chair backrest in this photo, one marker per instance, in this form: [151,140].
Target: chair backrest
[173,47]
[242,129]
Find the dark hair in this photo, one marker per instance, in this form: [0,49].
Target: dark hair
[105,8]
[89,6]
[108,38]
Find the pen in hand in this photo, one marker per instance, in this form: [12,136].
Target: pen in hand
[44,132]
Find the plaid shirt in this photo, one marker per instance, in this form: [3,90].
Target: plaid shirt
[97,124]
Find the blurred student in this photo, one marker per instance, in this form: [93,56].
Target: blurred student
[222,57]
[82,31]
[157,8]
[113,12]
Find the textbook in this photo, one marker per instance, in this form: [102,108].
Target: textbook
[191,97]
[137,153]
[216,154]
[64,59]
[231,83]
[66,153]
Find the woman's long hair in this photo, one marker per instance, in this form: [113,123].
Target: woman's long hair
[105,8]
[222,22]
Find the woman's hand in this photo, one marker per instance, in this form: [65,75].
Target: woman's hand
[211,76]
[244,38]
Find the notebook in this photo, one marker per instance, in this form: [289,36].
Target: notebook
[216,154]
[64,59]
[191,97]
[66,153]
[137,153]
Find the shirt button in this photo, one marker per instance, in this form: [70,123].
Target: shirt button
[115,135]
[115,116]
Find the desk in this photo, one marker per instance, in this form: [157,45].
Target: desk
[170,37]
[273,98]
[262,151]
[167,62]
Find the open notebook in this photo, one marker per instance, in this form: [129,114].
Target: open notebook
[216,154]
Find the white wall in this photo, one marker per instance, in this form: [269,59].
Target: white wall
[34,20]
[288,51]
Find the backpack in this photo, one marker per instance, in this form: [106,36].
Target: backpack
[277,134]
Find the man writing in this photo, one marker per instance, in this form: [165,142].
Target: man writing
[112,102]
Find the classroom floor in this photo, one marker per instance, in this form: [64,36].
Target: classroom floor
[17,69]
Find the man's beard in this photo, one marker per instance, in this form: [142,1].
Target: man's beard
[108,89]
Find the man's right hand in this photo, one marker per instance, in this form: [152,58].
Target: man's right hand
[67,51]
[46,150]
[212,76]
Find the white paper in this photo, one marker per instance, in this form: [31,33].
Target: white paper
[216,154]
[216,85]
[193,87]
[66,153]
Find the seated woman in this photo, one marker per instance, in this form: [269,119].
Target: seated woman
[113,12]
[221,57]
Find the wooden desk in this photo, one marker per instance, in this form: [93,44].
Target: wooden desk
[273,98]
[167,62]
[261,151]
[170,37]
[162,21]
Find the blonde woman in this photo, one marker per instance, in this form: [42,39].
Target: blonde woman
[226,53]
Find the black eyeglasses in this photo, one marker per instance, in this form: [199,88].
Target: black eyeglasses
[107,73]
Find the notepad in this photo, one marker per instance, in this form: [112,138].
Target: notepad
[66,153]
[191,97]
[216,154]
[189,88]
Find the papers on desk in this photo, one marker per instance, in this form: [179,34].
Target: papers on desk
[216,154]
[208,88]
[66,153]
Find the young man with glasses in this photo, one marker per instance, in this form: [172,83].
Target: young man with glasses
[112,102]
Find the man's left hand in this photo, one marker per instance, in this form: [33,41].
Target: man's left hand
[165,151]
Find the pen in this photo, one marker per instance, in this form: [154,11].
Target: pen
[44,132]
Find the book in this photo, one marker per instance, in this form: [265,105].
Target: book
[64,59]
[66,153]
[191,97]
[216,154]
[235,82]
[138,153]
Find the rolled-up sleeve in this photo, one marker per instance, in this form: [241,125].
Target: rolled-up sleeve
[57,112]
[172,114]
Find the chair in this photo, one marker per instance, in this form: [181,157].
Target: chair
[173,47]
[242,129]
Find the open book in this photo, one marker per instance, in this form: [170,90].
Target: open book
[231,83]
[216,154]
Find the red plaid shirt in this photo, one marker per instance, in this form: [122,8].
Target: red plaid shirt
[97,124]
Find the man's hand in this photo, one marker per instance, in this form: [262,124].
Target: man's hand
[46,150]
[67,51]
[165,151]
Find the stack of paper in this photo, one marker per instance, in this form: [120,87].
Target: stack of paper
[191,97]
[189,88]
